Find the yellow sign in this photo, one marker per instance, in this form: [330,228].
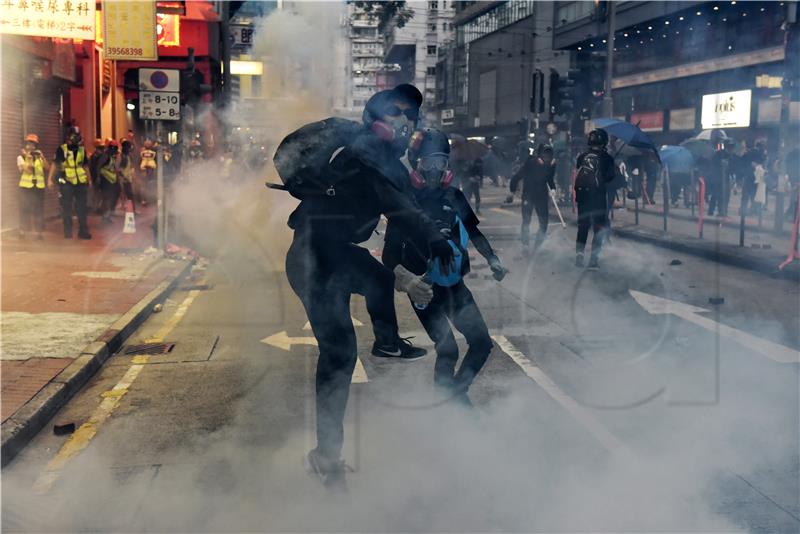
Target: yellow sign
[130,29]
[70,19]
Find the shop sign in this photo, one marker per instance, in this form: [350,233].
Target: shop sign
[726,110]
[130,30]
[242,35]
[769,111]
[681,119]
[649,121]
[69,19]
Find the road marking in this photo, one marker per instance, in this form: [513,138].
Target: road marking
[659,305]
[283,341]
[173,321]
[356,322]
[506,211]
[81,438]
[535,373]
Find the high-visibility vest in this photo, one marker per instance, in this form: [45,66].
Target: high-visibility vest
[34,177]
[127,171]
[73,167]
[109,171]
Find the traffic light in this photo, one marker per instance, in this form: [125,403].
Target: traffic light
[193,87]
[537,92]
[565,92]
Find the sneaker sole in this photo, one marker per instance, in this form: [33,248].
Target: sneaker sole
[401,358]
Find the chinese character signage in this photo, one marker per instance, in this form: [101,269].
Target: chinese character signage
[70,19]
[130,29]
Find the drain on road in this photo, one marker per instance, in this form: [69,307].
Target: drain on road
[149,348]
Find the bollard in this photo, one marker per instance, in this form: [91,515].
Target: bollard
[741,221]
[700,205]
[793,254]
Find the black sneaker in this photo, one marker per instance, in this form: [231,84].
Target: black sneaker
[402,349]
[594,265]
[330,473]
[85,236]
[579,259]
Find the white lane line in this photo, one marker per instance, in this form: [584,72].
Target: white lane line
[535,373]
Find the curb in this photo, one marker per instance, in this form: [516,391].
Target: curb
[19,429]
[709,252]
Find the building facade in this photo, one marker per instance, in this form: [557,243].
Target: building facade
[676,62]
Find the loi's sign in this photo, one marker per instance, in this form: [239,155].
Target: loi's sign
[726,110]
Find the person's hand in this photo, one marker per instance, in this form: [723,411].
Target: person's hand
[499,270]
[553,193]
[418,290]
[442,251]
[509,199]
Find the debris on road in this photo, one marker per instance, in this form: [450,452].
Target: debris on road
[63,430]
[676,262]
[158,307]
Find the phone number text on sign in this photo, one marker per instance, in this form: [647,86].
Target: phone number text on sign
[118,51]
[159,106]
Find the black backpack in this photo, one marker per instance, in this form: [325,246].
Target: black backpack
[587,177]
[303,157]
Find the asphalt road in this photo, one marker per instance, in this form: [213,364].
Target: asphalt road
[592,414]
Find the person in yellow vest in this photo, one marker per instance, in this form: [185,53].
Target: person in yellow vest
[32,167]
[126,170]
[73,166]
[108,167]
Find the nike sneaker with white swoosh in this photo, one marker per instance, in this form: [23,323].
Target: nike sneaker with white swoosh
[402,349]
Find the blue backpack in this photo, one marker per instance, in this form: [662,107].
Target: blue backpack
[434,273]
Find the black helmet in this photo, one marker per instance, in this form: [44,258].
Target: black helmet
[717,136]
[597,137]
[544,148]
[432,141]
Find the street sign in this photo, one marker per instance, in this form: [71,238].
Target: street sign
[448,114]
[159,105]
[160,80]
[241,35]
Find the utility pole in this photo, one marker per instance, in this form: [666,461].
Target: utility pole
[608,102]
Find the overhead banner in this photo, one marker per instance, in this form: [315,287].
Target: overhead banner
[69,19]
[129,30]
[726,110]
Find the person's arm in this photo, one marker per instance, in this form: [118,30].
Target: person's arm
[392,246]
[551,176]
[400,209]
[22,164]
[517,177]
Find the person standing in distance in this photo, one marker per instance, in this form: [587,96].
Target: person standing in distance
[595,169]
[73,180]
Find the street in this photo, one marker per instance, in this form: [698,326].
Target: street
[603,407]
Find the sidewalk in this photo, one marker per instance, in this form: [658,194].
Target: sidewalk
[67,304]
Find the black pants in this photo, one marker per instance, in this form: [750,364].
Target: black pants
[31,209]
[74,194]
[591,213]
[110,198]
[538,203]
[455,305]
[470,189]
[324,275]
[127,188]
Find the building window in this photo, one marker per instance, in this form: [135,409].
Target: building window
[433,5]
[432,27]
[431,50]
[431,71]
[444,26]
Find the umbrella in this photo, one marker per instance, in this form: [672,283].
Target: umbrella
[629,133]
[706,135]
[699,148]
[468,151]
[456,139]
[677,158]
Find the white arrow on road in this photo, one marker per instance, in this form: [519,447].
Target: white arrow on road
[658,305]
[356,322]
[283,341]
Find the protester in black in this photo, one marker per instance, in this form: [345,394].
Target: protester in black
[325,266]
[538,185]
[595,169]
[407,254]
[473,183]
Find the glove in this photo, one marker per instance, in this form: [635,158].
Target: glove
[407,282]
[442,251]
[509,199]
[553,193]
[499,270]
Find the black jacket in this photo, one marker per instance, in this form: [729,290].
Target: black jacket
[535,175]
[370,181]
[408,248]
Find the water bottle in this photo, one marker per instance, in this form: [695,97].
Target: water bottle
[427,279]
